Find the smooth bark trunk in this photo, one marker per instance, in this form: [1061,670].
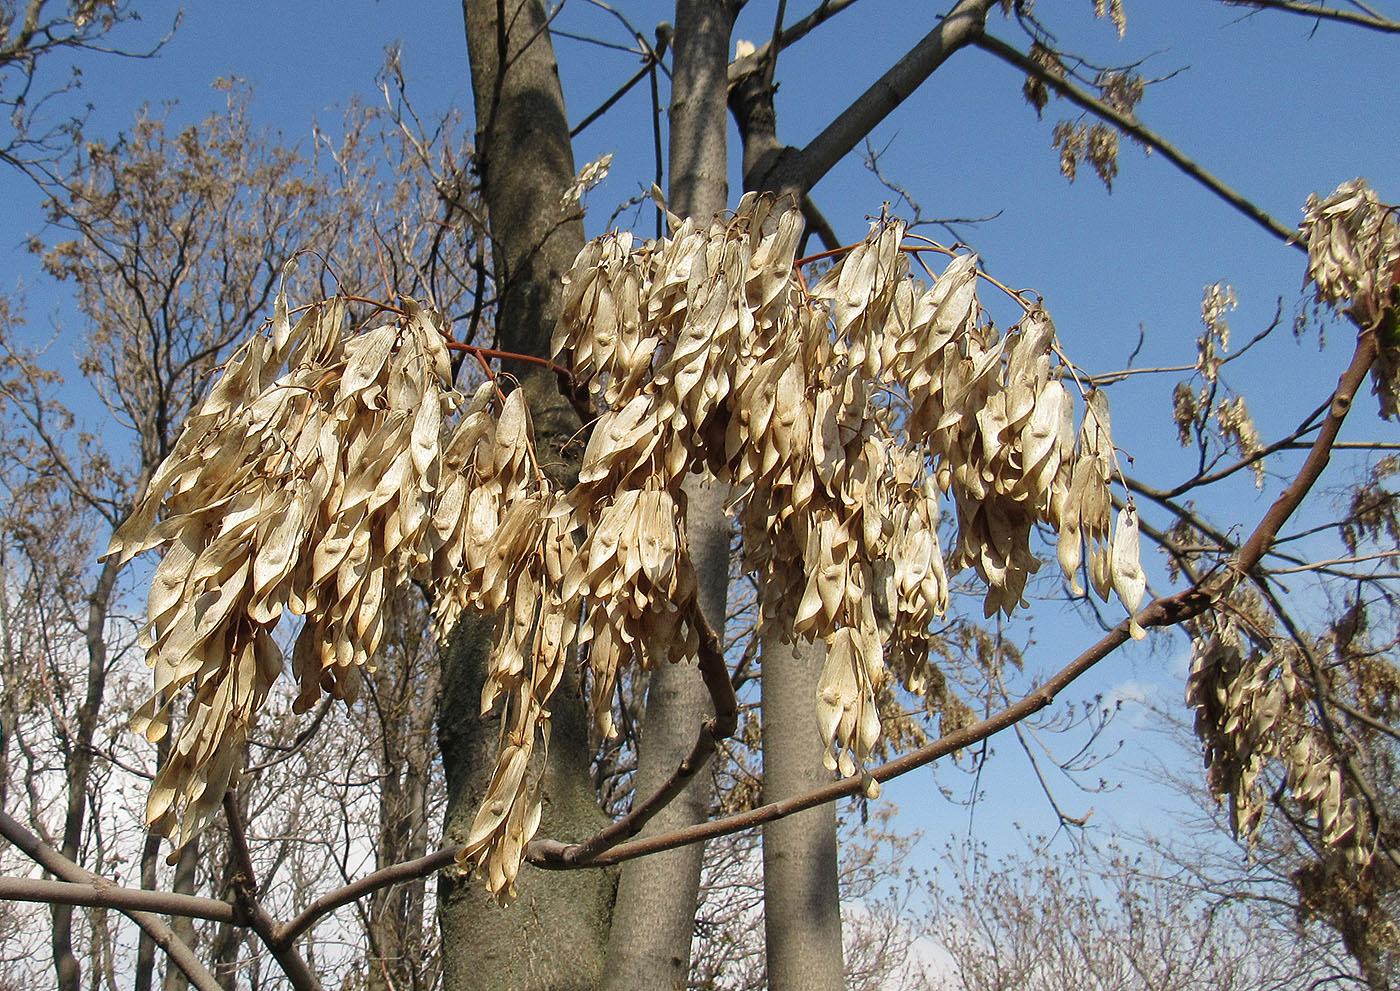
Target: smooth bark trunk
[802,897]
[801,886]
[654,921]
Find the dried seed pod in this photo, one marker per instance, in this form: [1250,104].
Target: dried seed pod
[327,467]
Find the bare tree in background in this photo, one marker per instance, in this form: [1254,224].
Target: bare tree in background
[175,242]
[1106,920]
[35,34]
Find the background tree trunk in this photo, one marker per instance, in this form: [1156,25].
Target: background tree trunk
[654,921]
[802,897]
[186,874]
[555,935]
[404,702]
[78,763]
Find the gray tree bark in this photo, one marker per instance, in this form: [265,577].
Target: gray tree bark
[801,889]
[802,908]
[77,757]
[555,936]
[654,921]
[186,874]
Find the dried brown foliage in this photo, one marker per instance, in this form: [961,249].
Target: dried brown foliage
[1266,695]
[1353,244]
[324,469]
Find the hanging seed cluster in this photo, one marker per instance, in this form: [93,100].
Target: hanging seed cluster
[1353,244]
[707,353]
[1252,709]
[306,481]
[328,466]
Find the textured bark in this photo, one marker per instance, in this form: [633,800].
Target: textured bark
[654,921]
[555,935]
[405,703]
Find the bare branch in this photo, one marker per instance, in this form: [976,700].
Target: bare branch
[1135,129]
[962,26]
[61,867]
[110,895]
[794,33]
[1164,611]
[394,874]
[245,887]
[1322,12]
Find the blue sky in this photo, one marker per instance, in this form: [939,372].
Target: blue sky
[1273,104]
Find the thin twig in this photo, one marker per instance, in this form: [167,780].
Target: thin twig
[1317,10]
[1137,130]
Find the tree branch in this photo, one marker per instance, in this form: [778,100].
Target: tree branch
[1137,130]
[795,32]
[245,889]
[962,26]
[104,893]
[409,870]
[554,854]
[155,927]
[1164,611]
[1322,13]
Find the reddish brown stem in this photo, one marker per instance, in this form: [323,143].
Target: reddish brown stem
[511,356]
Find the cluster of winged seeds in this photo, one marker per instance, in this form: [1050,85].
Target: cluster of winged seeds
[1353,244]
[307,481]
[837,414]
[328,466]
[1253,709]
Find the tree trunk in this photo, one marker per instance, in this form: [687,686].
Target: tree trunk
[802,898]
[150,857]
[78,758]
[654,921]
[555,936]
[801,873]
[405,704]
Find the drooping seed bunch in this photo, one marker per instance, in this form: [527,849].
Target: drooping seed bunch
[1252,708]
[1353,242]
[327,466]
[306,481]
[706,351]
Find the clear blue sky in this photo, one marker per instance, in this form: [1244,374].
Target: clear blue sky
[1273,104]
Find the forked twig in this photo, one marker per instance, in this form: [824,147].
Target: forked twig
[720,726]
[61,867]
